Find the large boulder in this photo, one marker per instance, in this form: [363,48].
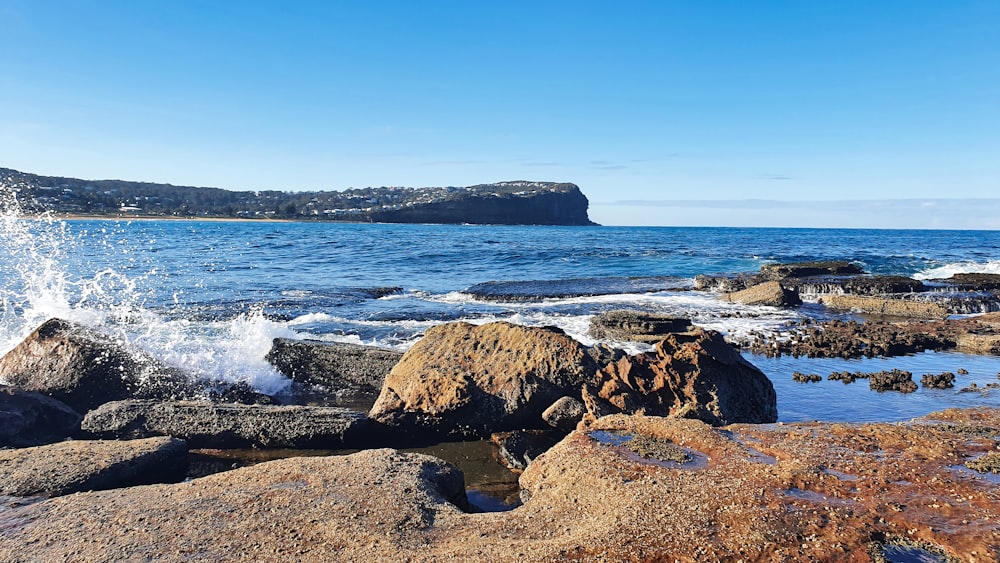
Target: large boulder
[338,367]
[84,368]
[32,419]
[84,465]
[213,425]
[468,380]
[768,293]
[691,376]
[636,326]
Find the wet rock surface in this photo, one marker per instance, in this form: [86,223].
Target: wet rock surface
[85,465]
[792,492]
[520,447]
[892,380]
[216,425]
[337,367]
[852,339]
[885,307]
[636,326]
[695,375]
[32,419]
[467,380]
[84,368]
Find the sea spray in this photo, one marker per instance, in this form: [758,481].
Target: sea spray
[46,274]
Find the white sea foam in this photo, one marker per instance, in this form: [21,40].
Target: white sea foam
[968,267]
[36,286]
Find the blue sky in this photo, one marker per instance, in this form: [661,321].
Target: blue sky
[771,113]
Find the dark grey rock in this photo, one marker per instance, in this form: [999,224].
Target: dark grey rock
[212,425]
[338,367]
[32,419]
[85,465]
[636,326]
[520,447]
[564,414]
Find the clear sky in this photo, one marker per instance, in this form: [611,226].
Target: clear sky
[770,113]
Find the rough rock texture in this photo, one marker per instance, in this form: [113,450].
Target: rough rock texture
[886,307]
[636,326]
[976,281]
[32,419]
[691,376]
[768,293]
[807,269]
[792,274]
[839,339]
[84,368]
[334,366]
[564,414]
[83,465]
[212,425]
[463,379]
[793,492]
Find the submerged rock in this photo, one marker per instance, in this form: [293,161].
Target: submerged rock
[83,465]
[468,380]
[32,419]
[212,425]
[84,368]
[520,447]
[692,376]
[335,366]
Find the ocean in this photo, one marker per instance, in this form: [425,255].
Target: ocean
[209,296]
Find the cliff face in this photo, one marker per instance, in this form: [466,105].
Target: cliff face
[502,203]
[561,205]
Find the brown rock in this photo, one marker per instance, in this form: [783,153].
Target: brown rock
[986,344]
[886,307]
[793,492]
[692,376]
[32,419]
[768,293]
[469,380]
[213,425]
[636,326]
[83,465]
[564,414]
[84,368]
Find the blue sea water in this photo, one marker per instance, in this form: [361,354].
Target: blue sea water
[209,296]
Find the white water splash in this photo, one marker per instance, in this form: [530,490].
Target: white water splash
[948,270]
[36,284]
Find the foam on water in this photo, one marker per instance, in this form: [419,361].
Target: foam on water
[36,285]
[966,267]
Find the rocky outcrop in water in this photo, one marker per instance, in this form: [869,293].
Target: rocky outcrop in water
[84,368]
[690,376]
[75,466]
[885,307]
[33,419]
[467,380]
[636,326]
[339,368]
[213,425]
[768,293]
[792,492]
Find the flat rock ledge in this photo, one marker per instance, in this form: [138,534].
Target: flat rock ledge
[624,488]
[88,465]
[215,425]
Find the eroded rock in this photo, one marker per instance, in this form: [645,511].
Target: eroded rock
[692,376]
[86,465]
[636,326]
[467,380]
[769,293]
[214,425]
[886,307]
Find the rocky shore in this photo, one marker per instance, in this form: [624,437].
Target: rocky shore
[669,454]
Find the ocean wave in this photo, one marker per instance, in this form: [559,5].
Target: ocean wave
[966,267]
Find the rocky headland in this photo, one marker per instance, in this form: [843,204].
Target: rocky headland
[669,454]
